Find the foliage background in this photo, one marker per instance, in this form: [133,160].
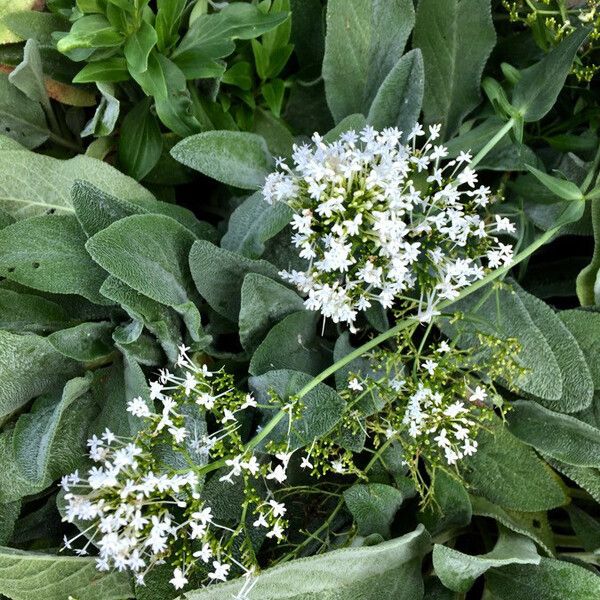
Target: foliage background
[131,221]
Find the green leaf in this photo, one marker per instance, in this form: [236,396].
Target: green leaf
[166,83]
[586,528]
[539,85]
[28,76]
[105,118]
[253,223]
[33,184]
[32,24]
[30,366]
[451,507]
[149,253]
[139,45]
[264,302]
[584,325]
[456,38]
[586,477]
[459,571]
[26,575]
[219,274]
[87,342]
[112,388]
[160,320]
[7,7]
[399,99]
[47,253]
[534,525]
[21,312]
[9,514]
[96,210]
[140,142]
[507,154]
[236,158]
[88,34]
[550,580]
[373,507]
[293,343]
[560,187]
[50,440]
[22,119]
[562,437]
[109,70]
[508,473]
[388,570]
[322,407]
[364,41]
[210,37]
[556,371]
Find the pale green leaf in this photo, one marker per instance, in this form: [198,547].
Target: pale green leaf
[236,158]
[458,571]
[33,575]
[388,570]
[33,184]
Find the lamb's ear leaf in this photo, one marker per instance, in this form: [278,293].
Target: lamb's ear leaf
[508,473]
[60,577]
[236,158]
[387,570]
[458,571]
[550,578]
[363,43]
[400,96]
[452,73]
[322,406]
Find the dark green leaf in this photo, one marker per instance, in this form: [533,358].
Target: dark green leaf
[87,342]
[47,253]
[539,85]
[364,41]
[508,473]
[456,38]
[219,274]
[550,580]
[398,100]
[373,507]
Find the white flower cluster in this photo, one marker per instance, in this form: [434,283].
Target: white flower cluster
[136,508]
[380,220]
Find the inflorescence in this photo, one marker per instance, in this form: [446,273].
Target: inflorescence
[379,220]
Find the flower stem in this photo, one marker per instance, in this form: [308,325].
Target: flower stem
[484,151]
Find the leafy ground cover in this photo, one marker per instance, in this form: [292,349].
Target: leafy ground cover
[299,299]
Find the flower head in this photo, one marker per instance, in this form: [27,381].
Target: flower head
[378,220]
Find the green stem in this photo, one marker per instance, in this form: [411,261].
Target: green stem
[483,152]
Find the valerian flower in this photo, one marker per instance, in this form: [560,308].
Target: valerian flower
[141,502]
[382,221]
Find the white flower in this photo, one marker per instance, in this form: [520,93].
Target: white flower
[221,570]
[138,408]
[479,395]
[278,474]
[355,385]
[278,508]
[430,366]
[370,236]
[179,580]
[305,463]
[205,554]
